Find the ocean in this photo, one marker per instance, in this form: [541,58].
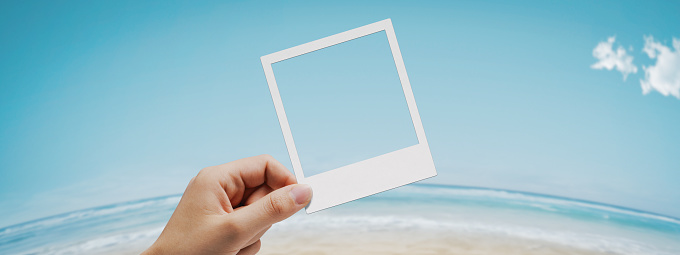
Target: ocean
[415,219]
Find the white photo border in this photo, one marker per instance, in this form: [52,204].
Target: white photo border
[366,177]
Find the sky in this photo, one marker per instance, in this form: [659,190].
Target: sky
[111,101]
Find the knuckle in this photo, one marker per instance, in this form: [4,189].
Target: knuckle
[203,174]
[266,157]
[274,207]
[205,170]
[191,183]
[233,229]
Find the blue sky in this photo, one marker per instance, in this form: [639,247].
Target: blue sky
[108,101]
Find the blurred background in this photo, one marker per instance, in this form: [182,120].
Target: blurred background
[104,102]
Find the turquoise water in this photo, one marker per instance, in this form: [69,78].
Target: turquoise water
[580,224]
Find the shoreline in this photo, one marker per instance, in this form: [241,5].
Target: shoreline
[410,242]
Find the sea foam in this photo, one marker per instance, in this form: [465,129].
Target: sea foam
[415,216]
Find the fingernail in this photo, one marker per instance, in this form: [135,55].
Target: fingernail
[301,193]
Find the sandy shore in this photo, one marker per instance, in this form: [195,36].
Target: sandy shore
[408,242]
[416,221]
[388,243]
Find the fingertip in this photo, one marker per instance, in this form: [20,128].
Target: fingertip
[301,194]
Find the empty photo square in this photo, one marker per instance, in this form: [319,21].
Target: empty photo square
[348,115]
[345,103]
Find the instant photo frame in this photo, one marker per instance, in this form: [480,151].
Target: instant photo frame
[370,176]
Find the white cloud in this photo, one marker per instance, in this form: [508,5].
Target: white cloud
[610,59]
[664,75]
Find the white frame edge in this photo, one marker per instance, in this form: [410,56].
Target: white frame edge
[351,182]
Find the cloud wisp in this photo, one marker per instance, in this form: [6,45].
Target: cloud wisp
[664,75]
[610,59]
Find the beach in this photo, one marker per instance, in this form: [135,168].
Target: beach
[409,242]
[416,219]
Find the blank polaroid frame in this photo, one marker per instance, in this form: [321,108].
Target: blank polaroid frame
[370,176]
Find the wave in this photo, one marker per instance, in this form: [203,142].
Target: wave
[357,224]
[112,243]
[124,225]
[91,212]
[458,191]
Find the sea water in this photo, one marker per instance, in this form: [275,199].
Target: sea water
[431,219]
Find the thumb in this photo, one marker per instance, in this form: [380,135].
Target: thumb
[274,207]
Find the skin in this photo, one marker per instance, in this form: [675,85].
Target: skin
[227,208]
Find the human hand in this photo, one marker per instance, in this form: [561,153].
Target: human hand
[227,208]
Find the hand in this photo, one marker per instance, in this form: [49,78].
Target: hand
[227,208]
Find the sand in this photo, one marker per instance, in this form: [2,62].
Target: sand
[408,242]
[388,243]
